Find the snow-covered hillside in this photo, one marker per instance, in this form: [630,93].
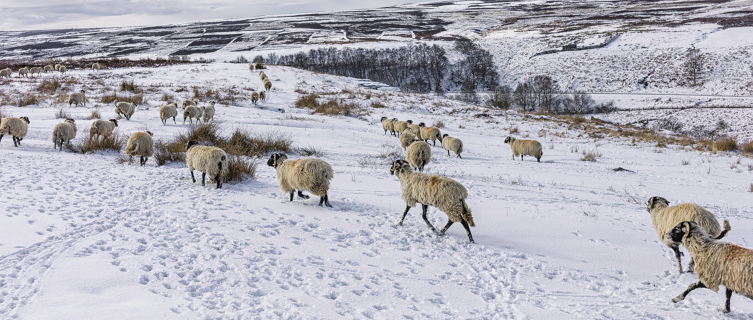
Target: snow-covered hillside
[83,237]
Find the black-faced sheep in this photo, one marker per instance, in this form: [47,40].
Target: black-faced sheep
[187,103]
[664,218]
[96,66]
[262,96]
[208,160]
[406,138]
[208,112]
[16,128]
[430,133]
[250,66]
[254,97]
[388,125]
[6,73]
[23,72]
[63,69]
[400,127]
[418,154]
[102,128]
[57,67]
[717,263]
[310,174]
[48,68]
[77,98]
[415,129]
[140,144]
[441,192]
[37,70]
[192,112]
[525,147]
[64,132]
[126,109]
[168,111]
[452,144]
[267,84]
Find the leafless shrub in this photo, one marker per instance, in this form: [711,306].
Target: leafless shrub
[685,162]
[49,86]
[28,99]
[438,124]
[310,150]
[513,129]
[591,155]
[726,144]
[113,142]
[62,114]
[377,105]
[94,115]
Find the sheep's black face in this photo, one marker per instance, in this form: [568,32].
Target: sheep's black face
[384,118]
[26,119]
[114,121]
[655,202]
[444,135]
[679,231]
[397,166]
[421,124]
[150,133]
[191,144]
[507,140]
[276,159]
[409,121]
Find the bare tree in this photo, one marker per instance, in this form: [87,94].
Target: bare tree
[500,98]
[694,65]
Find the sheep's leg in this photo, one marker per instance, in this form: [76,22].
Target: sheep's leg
[447,226]
[726,304]
[448,152]
[217,178]
[690,288]
[173,121]
[467,230]
[301,195]
[325,200]
[404,214]
[1,137]
[521,157]
[459,156]
[513,157]
[691,265]
[14,141]
[143,161]
[426,208]
[291,195]
[678,254]
[192,177]
[203,178]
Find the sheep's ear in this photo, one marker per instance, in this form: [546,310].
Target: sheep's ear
[650,202]
[685,229]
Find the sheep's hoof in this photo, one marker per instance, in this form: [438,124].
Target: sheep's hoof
[724,310]
[677,299]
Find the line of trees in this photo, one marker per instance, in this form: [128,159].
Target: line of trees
[414,68]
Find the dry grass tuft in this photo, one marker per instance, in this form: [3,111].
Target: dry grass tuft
[114,142]
[439,124]
[331,107]
[513,129]
[166,97]
[28,99]
[377,105]
[49,86]
[726,144]
[309,151]
[94,115]
[747,147]
[240,168]
[591,155]
[109,98]
[130,87]
[62,114]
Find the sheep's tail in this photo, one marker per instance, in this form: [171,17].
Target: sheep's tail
[727,228]
[467,214]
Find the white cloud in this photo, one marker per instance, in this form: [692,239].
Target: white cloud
[63,14]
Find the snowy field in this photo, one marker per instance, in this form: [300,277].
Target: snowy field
[82,237]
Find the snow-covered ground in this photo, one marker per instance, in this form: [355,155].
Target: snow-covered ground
[82,237]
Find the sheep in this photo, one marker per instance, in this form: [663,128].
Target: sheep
[62,69]
[23,72]
[719,263]
[267,84]
[664,217]
[308,174]
[452,144]
[525,147]
[261,74]
[406,139]
[250,66]
[16,128]
[192,112]
[416,130]
[264,77]
[430,133]
[96,66]
[79,98]
[36,70]
[400,126]
[57,67]
[126,109]
[208,160]
[168,111]
[48,68]
[6,72]
[388,125]
[187,103]
[140,144]
[263,96]
[208,112]
[444,193]
[102,128]
[254,97]
[418,154]
[64,132]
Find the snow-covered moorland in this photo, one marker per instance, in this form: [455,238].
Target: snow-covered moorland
[83,237]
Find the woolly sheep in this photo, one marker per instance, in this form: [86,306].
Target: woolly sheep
[192,112]
[388,125]
[208,160]
[187,103]
[126,109]
[62,69]
[64,132]
[57,67]
[418,154]
[400,126]
[23,72]
[140,144]
[664,217]
[254,97]
[36,70]
[16,128]
[719,263]
[430,133]
[416,130]
[208,112]
[452,144]
[6,73]
[79,98]
[263,96]
[310,174]
[406,138]
[261,74]
[267,84]
[168,111]
[48,68]
[264,77]
[250,66]
[441,192]
[96,66]
[102,128]
[525,147]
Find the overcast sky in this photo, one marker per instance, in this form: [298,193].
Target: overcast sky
[63,14]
